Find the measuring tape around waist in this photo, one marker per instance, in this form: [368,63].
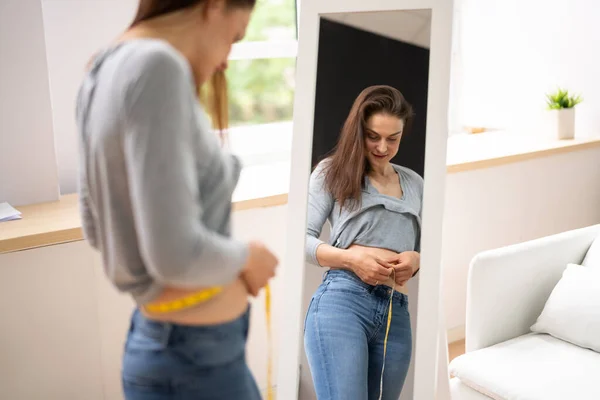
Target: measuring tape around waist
[184,302]
[207,294]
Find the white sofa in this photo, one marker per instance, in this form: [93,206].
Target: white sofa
[507,290]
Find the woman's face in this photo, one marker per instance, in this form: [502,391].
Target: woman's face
[225,26]
[382,138]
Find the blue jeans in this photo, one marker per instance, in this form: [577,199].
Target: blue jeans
[165,361]
[343,337]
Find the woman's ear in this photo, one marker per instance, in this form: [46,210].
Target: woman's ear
[212,7]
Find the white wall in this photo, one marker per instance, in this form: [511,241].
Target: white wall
[74,30]
[27,157]
[514,51]
[494,207]
[49,343]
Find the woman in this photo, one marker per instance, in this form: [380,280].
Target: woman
[374,209]
[156,198]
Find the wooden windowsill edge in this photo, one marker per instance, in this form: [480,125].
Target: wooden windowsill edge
[37,240]
[60,235]
[56,231]
[261,202]
[552,148]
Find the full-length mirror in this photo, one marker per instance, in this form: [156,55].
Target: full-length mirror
[365,204]
[369,128]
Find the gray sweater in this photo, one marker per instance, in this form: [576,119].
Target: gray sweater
[381,221]
[155,186]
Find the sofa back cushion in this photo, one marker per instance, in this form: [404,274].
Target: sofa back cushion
[592,257]
[572,312]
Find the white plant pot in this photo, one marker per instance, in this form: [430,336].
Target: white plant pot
[563,121]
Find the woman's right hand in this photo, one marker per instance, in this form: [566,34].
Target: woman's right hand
[369,267]
[259,268]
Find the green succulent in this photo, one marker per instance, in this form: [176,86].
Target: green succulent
[561,99]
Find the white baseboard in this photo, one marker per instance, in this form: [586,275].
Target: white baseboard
[456,334]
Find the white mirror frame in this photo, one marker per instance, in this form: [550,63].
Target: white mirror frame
[292,272]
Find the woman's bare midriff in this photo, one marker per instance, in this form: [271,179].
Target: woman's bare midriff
[227,306]
[383,253]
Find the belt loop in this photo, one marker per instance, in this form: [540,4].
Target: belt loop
[403,299]
[166,335]
[370,288]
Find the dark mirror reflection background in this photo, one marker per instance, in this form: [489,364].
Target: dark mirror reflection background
[351,59]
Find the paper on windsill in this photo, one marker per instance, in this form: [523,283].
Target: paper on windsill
[8,213]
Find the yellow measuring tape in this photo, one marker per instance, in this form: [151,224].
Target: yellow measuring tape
[207,294]
[270,394]
[387,333]
[184,302]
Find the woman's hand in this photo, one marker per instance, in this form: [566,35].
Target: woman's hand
[260,267]
[370,268]
[406,265]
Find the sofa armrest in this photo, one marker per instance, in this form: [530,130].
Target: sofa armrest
[508,287]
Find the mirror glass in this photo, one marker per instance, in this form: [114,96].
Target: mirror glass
[364,205]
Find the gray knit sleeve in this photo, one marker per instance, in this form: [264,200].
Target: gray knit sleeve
[320,205]
[161,132]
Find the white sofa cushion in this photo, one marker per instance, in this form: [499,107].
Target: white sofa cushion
[592,258]
[531,367]
[572,312]
[460,391]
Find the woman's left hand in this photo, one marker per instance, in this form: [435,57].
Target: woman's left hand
[405,264]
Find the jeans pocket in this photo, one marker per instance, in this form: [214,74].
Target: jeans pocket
[143,372]
[314,301]
[400,302]
[141,341]
[340,283]
[213,346]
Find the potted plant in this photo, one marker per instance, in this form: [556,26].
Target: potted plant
[562,105]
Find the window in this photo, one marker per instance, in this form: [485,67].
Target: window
[262,90]
[261,76]
[272,20]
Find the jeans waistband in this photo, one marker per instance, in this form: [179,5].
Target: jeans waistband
[378,290]
[157,330]
[166,332]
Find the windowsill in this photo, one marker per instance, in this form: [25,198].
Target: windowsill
[484,150]
[266,185]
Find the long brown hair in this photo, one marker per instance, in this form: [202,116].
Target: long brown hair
[214,96]
[214,93]
[148,9]
[347,164]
